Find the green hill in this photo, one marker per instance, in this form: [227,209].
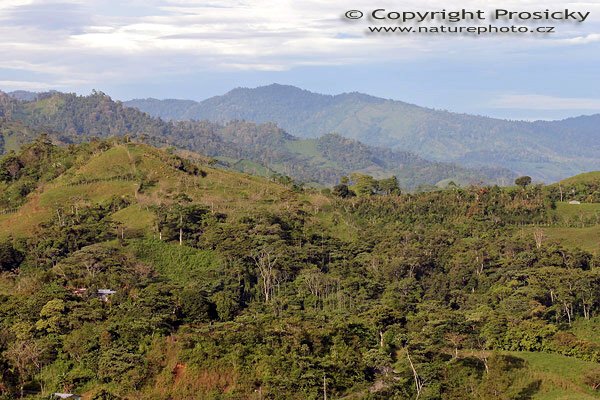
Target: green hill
[322,161]
[139,173]
[588,177]
[547,151]
[133,272]
[584,188]
[561,376]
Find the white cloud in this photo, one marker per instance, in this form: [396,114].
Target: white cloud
[542,102]
[164,35]
[5,4]
[591,38]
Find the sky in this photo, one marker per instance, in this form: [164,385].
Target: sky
[191,49]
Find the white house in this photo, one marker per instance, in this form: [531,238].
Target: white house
[104,293]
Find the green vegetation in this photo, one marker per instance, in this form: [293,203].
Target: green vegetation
[548,150]
[562,377]
[583,187]
[587,239]
[587,330]
[181,264]
[585,178]
[129,272]
[260,149]
[583,211]
[574,225]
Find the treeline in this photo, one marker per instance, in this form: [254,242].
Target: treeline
[582,188]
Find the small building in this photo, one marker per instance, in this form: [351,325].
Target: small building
[79,291]
[69,396]
[574,202]
[105,293]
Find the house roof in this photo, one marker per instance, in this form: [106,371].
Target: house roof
[67,396]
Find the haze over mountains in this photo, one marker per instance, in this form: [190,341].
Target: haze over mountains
[547,151]
[262,149]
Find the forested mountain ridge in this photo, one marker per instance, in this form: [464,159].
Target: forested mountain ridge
[129,272]
[547,151]
[250,147]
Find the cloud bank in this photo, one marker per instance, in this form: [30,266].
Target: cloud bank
[66,42]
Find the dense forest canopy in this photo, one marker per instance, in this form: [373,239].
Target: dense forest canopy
[130,272]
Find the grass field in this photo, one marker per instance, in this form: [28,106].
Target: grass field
[42,205]
[308,148]
[587,239]
[252,167]
[180,264]
[584,238]
[6,285]
[581,178]
[48,106]
[135,218]
[11,142]
[584,210]
[587,330]
[562,377]
[14,135]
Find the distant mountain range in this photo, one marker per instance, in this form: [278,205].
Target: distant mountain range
[547,151]
[260,148]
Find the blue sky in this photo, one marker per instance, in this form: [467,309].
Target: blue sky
[196,49]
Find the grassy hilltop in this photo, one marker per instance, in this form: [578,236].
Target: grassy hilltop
[143,175]
[577,225]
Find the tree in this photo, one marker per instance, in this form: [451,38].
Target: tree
[389,186]
[418,381]
[90,262]
[364,185]
[10,257]
[539,235]
[503,379]
[25,356]
[343,191]
[182,220]
[120,365]
[523,181]
[195,305]
[52,316]
[266,262]
[10,167]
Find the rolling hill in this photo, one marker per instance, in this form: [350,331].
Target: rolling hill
[100,173]
[232,286]
[548,151]
[257,148]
